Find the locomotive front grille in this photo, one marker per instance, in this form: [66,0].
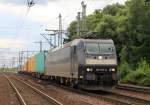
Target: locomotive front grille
[98,76]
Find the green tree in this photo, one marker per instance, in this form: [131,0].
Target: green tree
[128,25]
[72,30]
[139,25]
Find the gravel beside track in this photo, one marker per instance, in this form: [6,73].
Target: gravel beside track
[31,95]
[66,96]
[127,98]
[20,98]
[69,96]
[7,94]
[140,89]
[132,93]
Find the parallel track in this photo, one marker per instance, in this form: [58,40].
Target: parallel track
[85,102]
[130,99]
[144,90]
[45,96]
[22,101]
[111,96]
[106,98]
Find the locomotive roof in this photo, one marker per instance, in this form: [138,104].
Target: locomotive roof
[76,41]
[94,40]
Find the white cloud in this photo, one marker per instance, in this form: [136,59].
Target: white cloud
[23,2]
[48,14]
[11,43]
[14,19]
[14,10]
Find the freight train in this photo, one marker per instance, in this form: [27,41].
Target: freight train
[86,63]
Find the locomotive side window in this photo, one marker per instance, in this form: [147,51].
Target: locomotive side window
[92,48]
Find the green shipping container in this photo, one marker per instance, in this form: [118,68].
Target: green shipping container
[40,62]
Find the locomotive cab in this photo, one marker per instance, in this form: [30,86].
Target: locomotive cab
[100,62]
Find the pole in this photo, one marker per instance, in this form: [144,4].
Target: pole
[19,66]
[84,28]
[21,60]
[57,32]
[79,23]
[50,40]
[41,45]
[60,31]
[27,61]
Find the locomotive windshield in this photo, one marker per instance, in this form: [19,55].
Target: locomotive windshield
[106,48]
[92,48]
[96,48]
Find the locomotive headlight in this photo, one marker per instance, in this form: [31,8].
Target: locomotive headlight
[89,69]
[100,57]
[113,69]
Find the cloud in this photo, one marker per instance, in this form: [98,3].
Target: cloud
[49,13]
[11,43]
[24,2]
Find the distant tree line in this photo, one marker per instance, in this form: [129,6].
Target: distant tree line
[128,25]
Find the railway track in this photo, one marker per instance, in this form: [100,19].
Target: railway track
[128,99]
[20,98]
[106,98]
[28,94]
[144,90]
[114,97]
[43,87]
[111,96]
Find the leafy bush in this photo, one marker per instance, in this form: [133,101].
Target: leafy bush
[141,76]
[123,70]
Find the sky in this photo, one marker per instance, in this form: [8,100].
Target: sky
[21,26]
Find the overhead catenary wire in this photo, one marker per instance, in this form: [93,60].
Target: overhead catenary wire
[30,3]
[28,10]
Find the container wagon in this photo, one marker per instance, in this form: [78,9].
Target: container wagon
[40,64]
[35,65]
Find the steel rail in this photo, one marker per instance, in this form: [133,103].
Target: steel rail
[15,89]
[56,102]
[109,99]
[135,89]
[85,102]
[104,97]
[131,98]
